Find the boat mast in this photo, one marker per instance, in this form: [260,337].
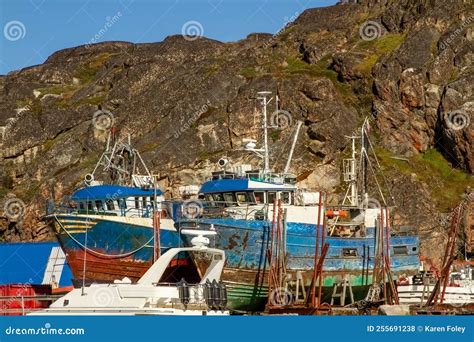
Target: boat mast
[350,175]
[364,156]
[266,160]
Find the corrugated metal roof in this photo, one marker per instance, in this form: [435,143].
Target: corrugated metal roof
[26,262]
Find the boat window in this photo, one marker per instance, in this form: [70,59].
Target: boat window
[110,204]
[99,205]
[209,199]
[89,206]
[271,197]
[152,201]
[122,204]
[229,198]
[400,250]
[81,206]
[144,202]
[285,197]
[137,203]
[259,197]
[242,197]
[349,252]
[219,199]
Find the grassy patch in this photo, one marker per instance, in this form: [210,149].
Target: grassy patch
[87,72]
[321,69]
[47,145]
[93,100]
[366,65]
[206,155]
[275,134]
[376,48]
[57,90]
[446,183]
[250,72]
[385,44]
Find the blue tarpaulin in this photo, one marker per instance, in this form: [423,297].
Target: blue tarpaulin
[25,262]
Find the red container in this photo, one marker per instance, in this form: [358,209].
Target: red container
[17,299]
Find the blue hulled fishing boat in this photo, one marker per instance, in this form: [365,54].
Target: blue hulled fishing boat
[116,230]
[239,204]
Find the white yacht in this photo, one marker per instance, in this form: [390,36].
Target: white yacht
[151,296]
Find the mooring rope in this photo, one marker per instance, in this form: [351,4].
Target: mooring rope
[108,256]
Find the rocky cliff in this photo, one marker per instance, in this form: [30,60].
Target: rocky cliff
[187,102]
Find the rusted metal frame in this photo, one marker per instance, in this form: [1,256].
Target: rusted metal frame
[382,253]
[323,253]
[271,271]
[447,260]
[316,257]
[451,249]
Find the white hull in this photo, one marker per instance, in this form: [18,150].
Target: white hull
[129,312]
[149,296]
[417,294]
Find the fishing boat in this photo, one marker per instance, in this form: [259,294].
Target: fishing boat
[115,226]
[239,204]
[153,294]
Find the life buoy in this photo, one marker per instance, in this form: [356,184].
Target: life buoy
[334,213]
[403,281]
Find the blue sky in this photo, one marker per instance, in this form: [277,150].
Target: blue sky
[34,29]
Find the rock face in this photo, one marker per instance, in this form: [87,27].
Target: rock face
[187,103]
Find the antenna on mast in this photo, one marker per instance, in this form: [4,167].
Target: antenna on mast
[263,97]
[350,174]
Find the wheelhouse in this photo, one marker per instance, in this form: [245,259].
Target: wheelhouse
[117,200]
[227,189]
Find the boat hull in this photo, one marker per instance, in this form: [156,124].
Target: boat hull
[116,248]
[419,294]
[246,243]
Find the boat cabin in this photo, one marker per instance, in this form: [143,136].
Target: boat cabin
[116,200]
[228,189]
